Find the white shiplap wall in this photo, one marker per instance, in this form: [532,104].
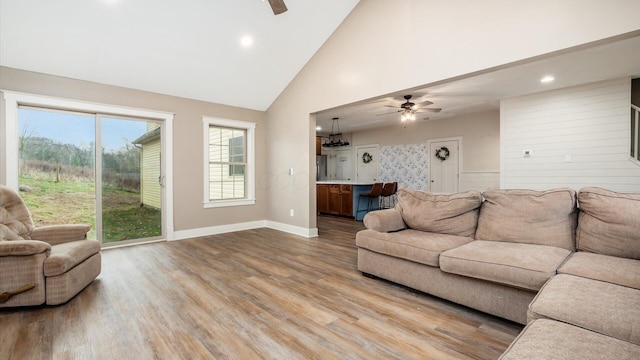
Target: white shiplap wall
[578,137]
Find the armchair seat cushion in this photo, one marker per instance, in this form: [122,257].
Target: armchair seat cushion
[525,266]
[67,255]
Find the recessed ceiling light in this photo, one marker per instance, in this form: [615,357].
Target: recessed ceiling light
[246,41]
[318,128]
[547,79]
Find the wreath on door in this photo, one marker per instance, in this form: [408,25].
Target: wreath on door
[366,158]
[443,153]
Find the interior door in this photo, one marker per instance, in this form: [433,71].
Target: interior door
[444,170]
[367,160]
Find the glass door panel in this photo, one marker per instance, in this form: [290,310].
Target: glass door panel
[131,190]
[56,166]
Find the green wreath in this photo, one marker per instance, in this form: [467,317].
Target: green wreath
[366,158]
[442,154]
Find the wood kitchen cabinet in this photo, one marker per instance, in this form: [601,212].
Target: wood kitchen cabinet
[335,199]
[322,192]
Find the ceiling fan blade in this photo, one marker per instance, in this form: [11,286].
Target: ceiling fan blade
[392,106]
[433,110]
[425,103]
[393,112]
[277,6]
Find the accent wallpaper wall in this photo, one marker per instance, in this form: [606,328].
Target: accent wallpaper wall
[406,164]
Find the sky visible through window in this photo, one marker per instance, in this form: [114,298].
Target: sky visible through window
[78,129]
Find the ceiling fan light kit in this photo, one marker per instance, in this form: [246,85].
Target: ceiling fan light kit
[409,109]
[335,138]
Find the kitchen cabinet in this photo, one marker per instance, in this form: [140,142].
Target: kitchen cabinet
[335,199]
[322,192]
[318,145]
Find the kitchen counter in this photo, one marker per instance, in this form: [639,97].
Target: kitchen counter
[342,182]
[342,197]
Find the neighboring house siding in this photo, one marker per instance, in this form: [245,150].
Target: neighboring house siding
[577,136]
[151,192]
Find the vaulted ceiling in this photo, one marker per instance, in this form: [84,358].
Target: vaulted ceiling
[196,49]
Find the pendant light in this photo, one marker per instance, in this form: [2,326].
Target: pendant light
[335,138]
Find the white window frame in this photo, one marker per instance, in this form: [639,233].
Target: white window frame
[250,173]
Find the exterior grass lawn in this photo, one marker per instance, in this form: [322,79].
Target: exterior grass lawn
[73,202]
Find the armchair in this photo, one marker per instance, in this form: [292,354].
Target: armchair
[42,265]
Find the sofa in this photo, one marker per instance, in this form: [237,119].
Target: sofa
[42,265]
[566,264]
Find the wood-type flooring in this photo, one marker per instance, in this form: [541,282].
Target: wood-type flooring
[256,294]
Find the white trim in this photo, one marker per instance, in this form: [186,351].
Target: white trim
[228,228]
[250,127]
[292,229]
[219,229]
[13,99]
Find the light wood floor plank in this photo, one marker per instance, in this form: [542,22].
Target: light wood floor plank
[256,294]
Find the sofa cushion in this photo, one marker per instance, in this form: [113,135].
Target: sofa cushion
[609,223]
[65,256]
[551,340]
[529,216]
[605,308]
[415,245]
[616,270]
[525,266]
[453,214]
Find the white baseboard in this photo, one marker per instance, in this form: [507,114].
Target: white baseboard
[291,229]
[222,229]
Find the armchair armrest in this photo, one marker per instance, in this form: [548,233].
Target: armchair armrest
[23,247]
[384,220]
[58,234]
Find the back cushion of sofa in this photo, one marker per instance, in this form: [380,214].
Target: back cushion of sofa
[529,216]
[609,222]
[453,214]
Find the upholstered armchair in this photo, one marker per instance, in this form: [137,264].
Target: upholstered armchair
[42,265]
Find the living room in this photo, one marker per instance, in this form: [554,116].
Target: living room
[339,74]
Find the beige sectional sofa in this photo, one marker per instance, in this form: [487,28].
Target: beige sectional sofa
[565,263]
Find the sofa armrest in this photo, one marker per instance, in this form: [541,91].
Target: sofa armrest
[23,247]
[58,234]
[384,220]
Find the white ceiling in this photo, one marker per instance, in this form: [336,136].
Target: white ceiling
[483,92]
[188,49]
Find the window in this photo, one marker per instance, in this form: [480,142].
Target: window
[229,162]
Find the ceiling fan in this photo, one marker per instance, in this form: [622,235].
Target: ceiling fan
[409,109]
[277,6]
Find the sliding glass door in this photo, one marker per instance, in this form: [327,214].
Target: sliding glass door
[89,168]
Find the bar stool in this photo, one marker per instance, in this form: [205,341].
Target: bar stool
[388,192]
[376,191]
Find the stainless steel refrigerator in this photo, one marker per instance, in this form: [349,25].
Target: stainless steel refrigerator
[321,167]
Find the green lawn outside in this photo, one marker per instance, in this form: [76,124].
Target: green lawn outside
[73,202]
